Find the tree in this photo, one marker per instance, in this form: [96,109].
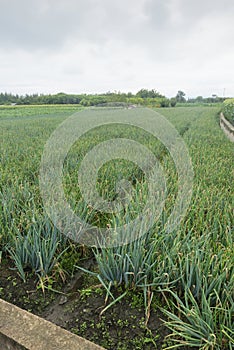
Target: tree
[173,102]
[180,97]
[144,93]
[199,99]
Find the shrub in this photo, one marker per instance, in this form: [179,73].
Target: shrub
[173,102]
[228,110]
[165,102]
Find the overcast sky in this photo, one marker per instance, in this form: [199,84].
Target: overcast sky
[77,46]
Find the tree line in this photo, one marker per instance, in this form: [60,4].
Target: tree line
[143,97]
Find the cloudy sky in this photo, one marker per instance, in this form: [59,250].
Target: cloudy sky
[77,46]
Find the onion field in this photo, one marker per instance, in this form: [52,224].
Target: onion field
[191,269]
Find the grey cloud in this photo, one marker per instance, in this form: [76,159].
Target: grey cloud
[195,9]
[189,11]
[50,24]
[47,23]
[105,42]
[177,19]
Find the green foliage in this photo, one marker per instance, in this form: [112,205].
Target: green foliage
[202,324]
[173,102]
[199,100]
[37,249]
[165,102]
[131,264]
[25,111]
[144,93]
[82,99]
[145,97]
[191,268]
[228,110]
[180,97]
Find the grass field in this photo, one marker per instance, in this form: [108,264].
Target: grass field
[192,268]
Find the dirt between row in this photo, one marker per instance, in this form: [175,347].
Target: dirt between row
[76,306]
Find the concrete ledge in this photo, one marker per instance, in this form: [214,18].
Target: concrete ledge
[20,330]
[227,127]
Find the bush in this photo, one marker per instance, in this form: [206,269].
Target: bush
[165,102]
[173,102]
[228,110]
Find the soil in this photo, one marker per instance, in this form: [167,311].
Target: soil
[76,306]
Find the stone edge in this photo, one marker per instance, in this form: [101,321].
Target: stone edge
[227,127]
[20,329]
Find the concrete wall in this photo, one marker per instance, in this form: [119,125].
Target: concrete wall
[227,127]
[20,330]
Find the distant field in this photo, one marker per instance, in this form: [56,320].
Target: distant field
[195,265]
[33,110]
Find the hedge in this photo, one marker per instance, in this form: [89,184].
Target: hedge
[228,110]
